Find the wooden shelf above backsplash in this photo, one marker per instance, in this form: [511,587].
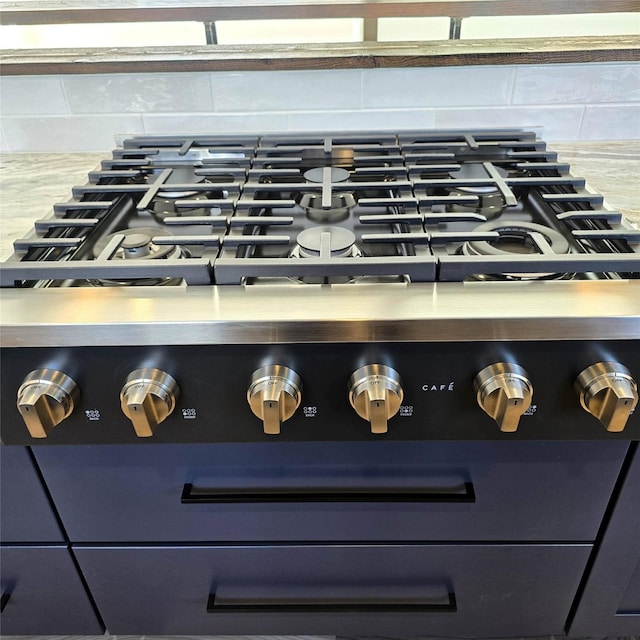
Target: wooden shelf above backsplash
[85,11]
[362,55]
[358,55]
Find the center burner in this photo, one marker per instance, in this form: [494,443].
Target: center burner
[171,197]
[491,201]
[182,175]
[164,206]
[325,242]
[326,206]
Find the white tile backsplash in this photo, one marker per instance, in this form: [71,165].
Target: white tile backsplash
[31,95]
[611,122]
[389,119]
[556,123]
[286,90]
[215,123]
[85,112]
[68,133]
[138,93]
[577,83]
[437,87]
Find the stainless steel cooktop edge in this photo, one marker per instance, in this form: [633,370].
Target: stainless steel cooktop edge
[430,312]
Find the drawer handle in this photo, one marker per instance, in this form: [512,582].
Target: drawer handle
[4,600]
[214,606]
[252,495]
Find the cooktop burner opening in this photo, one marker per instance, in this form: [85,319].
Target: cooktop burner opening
[518,238]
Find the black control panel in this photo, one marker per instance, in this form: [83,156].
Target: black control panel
[436,393]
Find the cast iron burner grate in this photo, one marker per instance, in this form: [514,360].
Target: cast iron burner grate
[327,209]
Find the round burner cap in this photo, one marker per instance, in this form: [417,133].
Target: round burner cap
[135,240]
[317,174]
[475,171]
[340,241]
[137,244]
[183,174]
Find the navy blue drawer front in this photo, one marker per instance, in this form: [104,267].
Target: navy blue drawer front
[630,604]
[487,491]
[42,593]
[27,515]
[610,603]
[478,590]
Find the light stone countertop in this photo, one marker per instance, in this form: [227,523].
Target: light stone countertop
[31,183]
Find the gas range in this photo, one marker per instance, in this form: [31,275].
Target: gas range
[426,285]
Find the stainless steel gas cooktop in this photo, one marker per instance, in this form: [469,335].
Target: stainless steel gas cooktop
[198,287]
[422,207]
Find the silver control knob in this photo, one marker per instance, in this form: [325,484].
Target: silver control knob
[274,394]
[608,392]
[45,398]
[147,398]
[375,392]
[504,392]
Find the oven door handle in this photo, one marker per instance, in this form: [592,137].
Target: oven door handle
[463,493]
[379,607]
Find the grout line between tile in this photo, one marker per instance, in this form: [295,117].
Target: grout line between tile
[63,89]
[512,90]
[212,92]
[581,122]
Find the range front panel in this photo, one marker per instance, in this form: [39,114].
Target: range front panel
[200,392]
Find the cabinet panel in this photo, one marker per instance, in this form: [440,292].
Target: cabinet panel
[488,491]
[493,590]
[630,603]
[42,593]
[27,515]
[610,602]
